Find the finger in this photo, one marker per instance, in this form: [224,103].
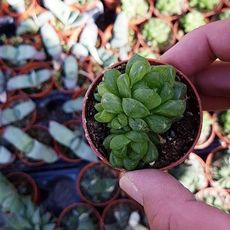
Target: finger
[168,205]
[200,48]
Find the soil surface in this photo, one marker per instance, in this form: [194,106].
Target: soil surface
[177,140]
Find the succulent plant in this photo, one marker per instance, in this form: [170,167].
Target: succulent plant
[137,105]
[224,15]
[6,156]
[22,213]
[3,80]
[98,183]
[107,57]
[135,9]
[72,106]
[204,5]
[220,169]
[170,7]
[157,33]
[72,140]
[191,174]
[17,6]
[28,146]
[224,121]
[192,20]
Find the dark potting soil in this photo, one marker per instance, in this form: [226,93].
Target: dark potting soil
[177,140]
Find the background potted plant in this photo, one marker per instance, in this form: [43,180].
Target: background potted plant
[119,125]
[6,157]
[218,167]
[98,184]
[79,215]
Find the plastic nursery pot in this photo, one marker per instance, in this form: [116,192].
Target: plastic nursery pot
[96,132]
[45,88]
[210,162]
[207,132]
[209,195]
[64,152]
[218,129]
[169,17]
[93,214]
[25,185]
[111,213]
[104,172]
[29,120]
[29,5]
[40,133]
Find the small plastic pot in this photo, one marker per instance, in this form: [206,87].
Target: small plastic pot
[218,130]
[68,209]
[108,214]
[61,149]
[208,166]
[82,194]
[21,179]
[89,98]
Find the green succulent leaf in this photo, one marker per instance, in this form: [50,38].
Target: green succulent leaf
[166,93]
[152,153]
[139,148]
[134,156]
[137,136]
[115,124]
[138,71]
[110,79]
[115,161]
[153,137]
[132,60]
[124,86]
[119,141]
[154,80]
[138,124]
[130,164]
[140,85]
[97,97]
[99,107]
[122,118]
[107,140]
[117,131]
[134,108]
[121,153]
[180,90]
[104,116]
[158,124]
[111,103]
[147,97]
[102,89]
[172,108]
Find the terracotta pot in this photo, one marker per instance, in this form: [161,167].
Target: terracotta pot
[46,86]
[24,15]
[81,193]
[11,101]
[72,206]
[59,149]
[89,96]
[111,4]
[209,139]
[170,17]
[16,177]
[217,129]
[209,162]
[107,211]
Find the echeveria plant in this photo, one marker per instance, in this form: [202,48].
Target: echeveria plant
[137,105]
[6,156]
[191,174]
[157,33]
[170,7]
[224,122]
[28,146]
[204,5]
[192,20]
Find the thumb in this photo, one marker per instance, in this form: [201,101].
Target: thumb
[170,206]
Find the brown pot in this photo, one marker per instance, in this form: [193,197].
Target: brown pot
[69,208]
[89,97]
[209,162]
[81,193]
[16,177]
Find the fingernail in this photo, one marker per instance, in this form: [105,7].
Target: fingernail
[127,184]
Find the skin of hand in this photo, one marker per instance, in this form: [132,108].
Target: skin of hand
[168,205]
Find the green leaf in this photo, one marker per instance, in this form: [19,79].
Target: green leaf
[138,124]
[138,71]
[107,140]
[132,60]
[121,153]
[117,131]
[180,90]
[101,88]
[140,148]
[110,80]
[134,156]
[137,136]
[153,137]
[147,97]
[166,92]
[130,164]
[111,103]
[140,85]
[134,108]
[99,107]
[115,124]
[152,153]
[122,118]
[119,141]
[154,80]
[115,161]
[172,108]
[123,84]
[97,97]
[104,116]
[158,124]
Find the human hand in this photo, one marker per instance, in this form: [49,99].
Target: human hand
[168,205]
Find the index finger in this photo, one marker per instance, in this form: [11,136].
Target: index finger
[201,47]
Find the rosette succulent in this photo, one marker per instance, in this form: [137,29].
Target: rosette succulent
[170,7]
[224,122]
[138,106]
[224,15]
[204,5]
